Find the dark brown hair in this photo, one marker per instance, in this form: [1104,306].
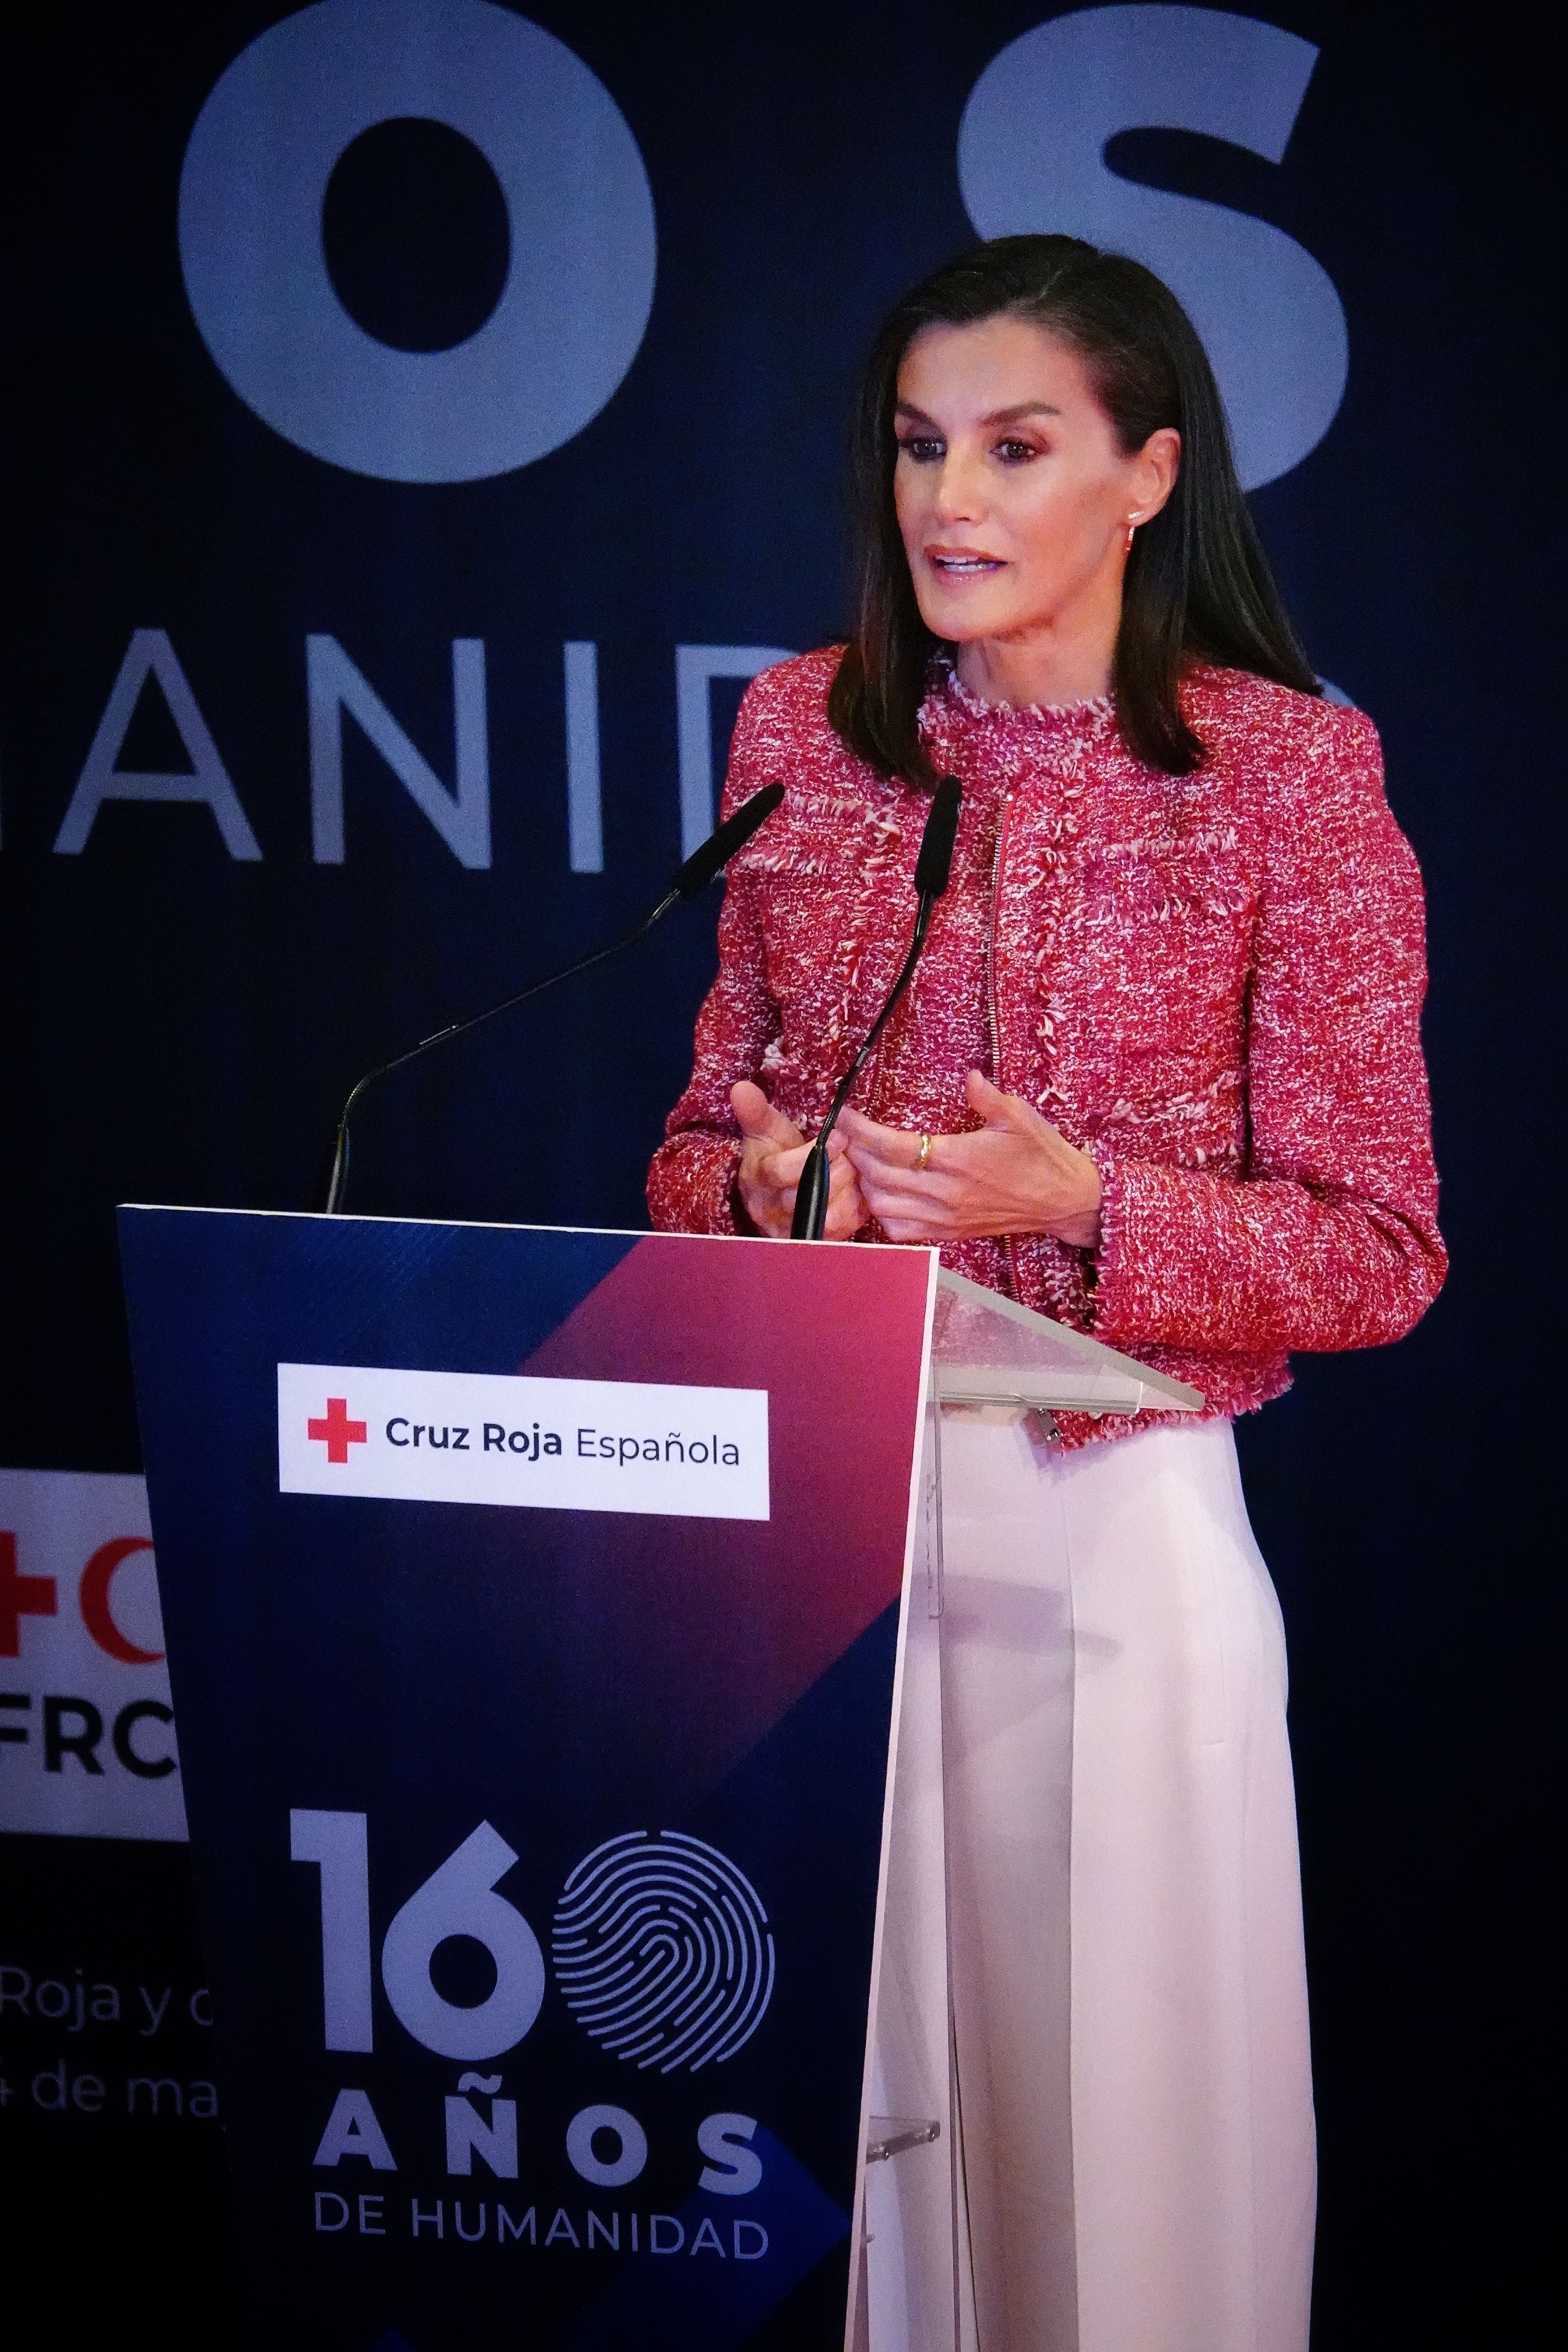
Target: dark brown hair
[1197,585]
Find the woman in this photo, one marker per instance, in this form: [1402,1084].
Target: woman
[1159,1077]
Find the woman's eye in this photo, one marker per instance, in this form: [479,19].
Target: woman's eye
[1015,452]
[923,447]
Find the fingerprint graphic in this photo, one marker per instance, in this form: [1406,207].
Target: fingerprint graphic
[663,1950]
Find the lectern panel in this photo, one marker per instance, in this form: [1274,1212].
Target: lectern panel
[533,1601]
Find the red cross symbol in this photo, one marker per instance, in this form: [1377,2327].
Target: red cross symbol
[338,1431]
[20,1596]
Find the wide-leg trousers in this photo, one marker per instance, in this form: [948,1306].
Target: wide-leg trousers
[1128,1984]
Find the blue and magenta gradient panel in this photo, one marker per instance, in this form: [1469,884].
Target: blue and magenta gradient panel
[714,1691]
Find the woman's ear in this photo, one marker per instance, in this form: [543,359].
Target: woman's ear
[1156,467]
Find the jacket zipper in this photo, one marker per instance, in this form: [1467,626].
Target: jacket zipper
[995,1025]
[873,1076]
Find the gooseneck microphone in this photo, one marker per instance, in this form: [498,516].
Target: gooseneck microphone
[686,882]
[932,867]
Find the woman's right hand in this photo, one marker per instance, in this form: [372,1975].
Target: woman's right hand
[772,1159]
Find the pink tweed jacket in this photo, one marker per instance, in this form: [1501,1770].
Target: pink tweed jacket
[1212,982]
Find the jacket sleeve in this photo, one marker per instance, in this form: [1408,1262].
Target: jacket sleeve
[690,1184]
[1329,1238]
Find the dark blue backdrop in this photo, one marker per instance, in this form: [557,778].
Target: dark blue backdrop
[180,1024]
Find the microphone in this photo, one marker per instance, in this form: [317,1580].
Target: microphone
[713,854]
[932,869]
[688,881]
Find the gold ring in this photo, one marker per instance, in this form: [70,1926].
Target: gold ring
[924,1153]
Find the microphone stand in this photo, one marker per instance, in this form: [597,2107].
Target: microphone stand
[337,1182]
[691,878]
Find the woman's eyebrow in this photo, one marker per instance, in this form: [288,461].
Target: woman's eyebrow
[1022,408]
[998,415]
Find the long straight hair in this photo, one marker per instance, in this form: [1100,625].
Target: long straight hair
[1197,586]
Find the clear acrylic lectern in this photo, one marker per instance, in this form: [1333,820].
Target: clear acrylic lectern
[991,1356]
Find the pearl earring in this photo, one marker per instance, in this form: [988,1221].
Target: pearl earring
[1132,521]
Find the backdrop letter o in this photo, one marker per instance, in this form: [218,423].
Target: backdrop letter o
[579,286]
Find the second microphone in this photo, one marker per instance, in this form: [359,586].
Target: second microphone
[932,869]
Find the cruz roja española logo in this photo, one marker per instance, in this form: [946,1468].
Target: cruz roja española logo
[402,1434]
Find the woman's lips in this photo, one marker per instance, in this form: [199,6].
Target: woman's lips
[962,562]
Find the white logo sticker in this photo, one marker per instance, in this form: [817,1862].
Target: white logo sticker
[545,1445]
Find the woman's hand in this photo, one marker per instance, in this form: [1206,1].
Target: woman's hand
[770,1162]
[1017,1175]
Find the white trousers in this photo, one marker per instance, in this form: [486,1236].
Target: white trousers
[1129,1990]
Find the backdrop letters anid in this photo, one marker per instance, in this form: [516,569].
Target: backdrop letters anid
[532,1603]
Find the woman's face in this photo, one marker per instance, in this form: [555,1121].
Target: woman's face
[1012,491]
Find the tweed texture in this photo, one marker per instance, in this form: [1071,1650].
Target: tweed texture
[1213,984]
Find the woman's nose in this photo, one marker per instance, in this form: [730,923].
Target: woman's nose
[958,492]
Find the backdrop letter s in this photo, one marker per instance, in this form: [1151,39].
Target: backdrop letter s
[1031,158]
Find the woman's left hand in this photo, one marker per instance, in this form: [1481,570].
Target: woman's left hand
[1014,1175]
